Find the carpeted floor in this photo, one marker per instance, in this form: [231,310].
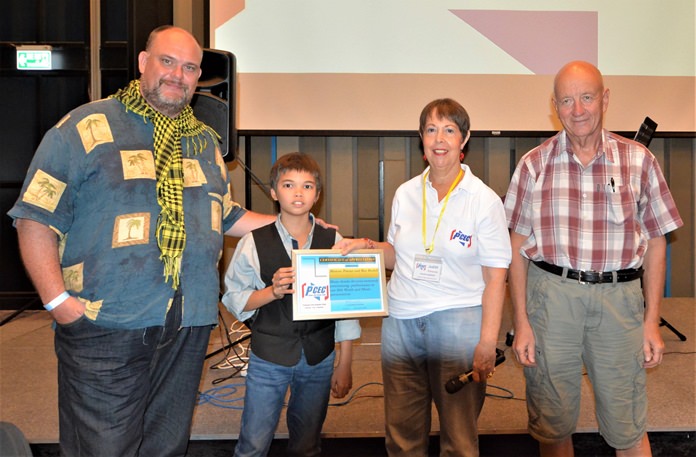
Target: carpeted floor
[28,397]
[664,444]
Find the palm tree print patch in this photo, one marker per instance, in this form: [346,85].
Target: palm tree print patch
[138,164]
[131,229]
[193,174]
[73,277]
[44,191]
[94,130]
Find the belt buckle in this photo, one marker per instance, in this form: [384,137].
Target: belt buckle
[599,274]
[580,274]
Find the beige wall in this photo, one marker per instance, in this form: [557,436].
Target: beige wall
[362,102]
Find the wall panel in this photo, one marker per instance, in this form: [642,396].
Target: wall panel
[316,148]
[352,181]
[679,164]
[368,183]
[339,198]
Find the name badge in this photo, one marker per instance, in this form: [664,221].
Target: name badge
[427,268]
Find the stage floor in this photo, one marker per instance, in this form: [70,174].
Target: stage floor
[29,392]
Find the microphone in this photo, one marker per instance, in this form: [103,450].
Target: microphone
[455,384]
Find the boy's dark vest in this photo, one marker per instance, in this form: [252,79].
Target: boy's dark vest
[275,336]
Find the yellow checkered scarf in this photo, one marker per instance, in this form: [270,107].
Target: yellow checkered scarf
[170,231]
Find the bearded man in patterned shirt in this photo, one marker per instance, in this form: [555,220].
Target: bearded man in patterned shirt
[120,223]
[588,213]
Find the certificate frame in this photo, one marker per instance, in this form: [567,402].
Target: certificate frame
[329,285]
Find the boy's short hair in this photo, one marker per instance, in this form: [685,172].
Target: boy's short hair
[296,161]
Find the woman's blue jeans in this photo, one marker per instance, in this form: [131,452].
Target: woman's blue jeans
[418,357]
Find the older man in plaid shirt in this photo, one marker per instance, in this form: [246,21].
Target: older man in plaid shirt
[588,212]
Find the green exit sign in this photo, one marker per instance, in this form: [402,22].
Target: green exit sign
[29,58]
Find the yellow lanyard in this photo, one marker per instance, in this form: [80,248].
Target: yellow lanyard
[429,249]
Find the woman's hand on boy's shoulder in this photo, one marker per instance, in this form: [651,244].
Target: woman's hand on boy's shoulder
[348,245]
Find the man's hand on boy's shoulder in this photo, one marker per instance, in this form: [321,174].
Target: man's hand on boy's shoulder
[325,224]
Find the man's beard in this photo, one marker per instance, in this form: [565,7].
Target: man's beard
[168,107]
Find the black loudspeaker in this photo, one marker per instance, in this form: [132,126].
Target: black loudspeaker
[214,101]
[645,132]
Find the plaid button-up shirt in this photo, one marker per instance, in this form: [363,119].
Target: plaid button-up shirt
[597,217]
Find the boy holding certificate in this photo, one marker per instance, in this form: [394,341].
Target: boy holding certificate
[284,353]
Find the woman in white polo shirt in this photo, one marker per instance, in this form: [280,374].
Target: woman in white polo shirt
[449,248]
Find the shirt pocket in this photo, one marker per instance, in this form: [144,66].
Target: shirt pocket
[622,204]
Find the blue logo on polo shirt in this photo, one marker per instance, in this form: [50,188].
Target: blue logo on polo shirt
[461,238]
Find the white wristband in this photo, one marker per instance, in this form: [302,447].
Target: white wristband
[57,301]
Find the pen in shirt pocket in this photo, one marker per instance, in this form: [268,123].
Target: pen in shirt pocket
[605,188]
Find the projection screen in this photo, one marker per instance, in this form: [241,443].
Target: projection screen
[371,65]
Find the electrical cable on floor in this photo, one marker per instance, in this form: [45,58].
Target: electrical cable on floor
[510,394]
[358,389]
[220,397]
[230,376]
[232,359]
[223,325]
[679,353]
[239,328]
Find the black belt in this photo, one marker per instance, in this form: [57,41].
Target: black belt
[592,277]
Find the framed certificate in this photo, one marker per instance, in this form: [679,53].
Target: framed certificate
[329,285]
